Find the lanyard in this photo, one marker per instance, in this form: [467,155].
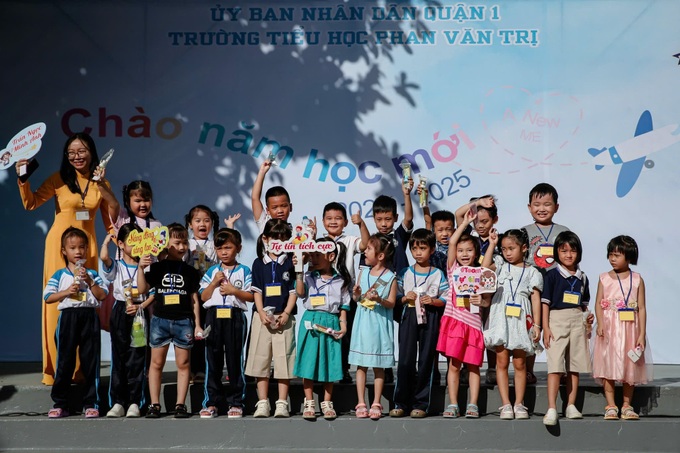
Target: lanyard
[629,289]
[172,281]
[576,280]
[200,247]
[228,277]
[514,293]
[316,278]
[274,263]
[132,277]
[483,246]
[546,237]
[415,279]
[83,194]
[368,278]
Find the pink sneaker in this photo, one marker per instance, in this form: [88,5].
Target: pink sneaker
[91,412]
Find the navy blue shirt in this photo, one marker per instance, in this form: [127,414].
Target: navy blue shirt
[557,282]
[400,260]
[266,272]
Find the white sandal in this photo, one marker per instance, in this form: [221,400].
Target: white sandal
[327,410]
[309,412]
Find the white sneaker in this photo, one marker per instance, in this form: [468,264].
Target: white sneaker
[116,411]
[133,411]
[572,412]
[506,412]
[262,409]
[281,409]
[550,417]
[521,412]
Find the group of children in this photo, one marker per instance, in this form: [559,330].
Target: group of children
[198,294]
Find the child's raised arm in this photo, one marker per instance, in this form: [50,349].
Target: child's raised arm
[142,285]
[427,215]
[363,229]
[104,252]
[487,202]
[256,194]
[488,256]
[300,287]
[453,242]
[408,206]
[231,220]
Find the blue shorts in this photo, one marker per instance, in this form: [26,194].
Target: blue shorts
[179,332]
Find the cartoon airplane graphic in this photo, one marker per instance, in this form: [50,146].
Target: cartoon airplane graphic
[632,154]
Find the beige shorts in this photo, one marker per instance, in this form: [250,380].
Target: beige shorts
[568,352]
[267,345]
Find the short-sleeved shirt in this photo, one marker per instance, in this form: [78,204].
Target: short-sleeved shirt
[201,254]
[63,279]
[123,276]
[432,283]
[559,285]
[541,242]
[352,244]
[174,283]
[270,273]
[240,277]
[328,291]
[124,217]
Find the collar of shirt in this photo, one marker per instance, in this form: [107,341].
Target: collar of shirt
[439,247]
[279,259]
[566,274]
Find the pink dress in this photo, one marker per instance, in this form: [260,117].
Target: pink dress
[460,333]
[610,352]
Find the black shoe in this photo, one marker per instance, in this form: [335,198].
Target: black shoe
[346,378]
[153,411]
[181,411]
[389,376]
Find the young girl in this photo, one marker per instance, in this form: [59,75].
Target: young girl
[324,290]
[128,363]
[78,291]
[460,336]
[372,342]
[201,221]
[272,333]
[514,317]
[137,203]
[621,314]
[420,289]
[564,300]
[225,289]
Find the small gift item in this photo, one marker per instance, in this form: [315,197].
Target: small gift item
[406,173]
[102,163]
[423,191]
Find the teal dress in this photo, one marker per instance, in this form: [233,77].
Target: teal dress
[372,343]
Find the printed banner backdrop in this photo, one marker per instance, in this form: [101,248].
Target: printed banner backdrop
[481,97]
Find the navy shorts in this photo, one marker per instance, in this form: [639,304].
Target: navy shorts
[179,332]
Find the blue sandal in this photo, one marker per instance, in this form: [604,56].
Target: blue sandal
[472,411]
[452,411]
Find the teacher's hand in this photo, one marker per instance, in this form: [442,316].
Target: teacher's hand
[101,174]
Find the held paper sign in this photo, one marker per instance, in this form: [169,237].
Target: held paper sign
[23,145]
[474,280]
[148,242]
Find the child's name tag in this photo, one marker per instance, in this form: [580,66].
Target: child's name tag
[626,314]
[513,310]
[546,249]
[571,298]
[127,282]
[224,313]
[462,302]
[367,303]
[80,296]
[273,290]
[317,300]
[171,299]
[82,215]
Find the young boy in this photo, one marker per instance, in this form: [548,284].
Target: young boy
[276,198]
[335,221]
[79,292]
[564,299]
[421,287]
[175,316]
[542,233]
[385,216]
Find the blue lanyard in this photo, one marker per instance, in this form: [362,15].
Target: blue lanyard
[132,277]
[415,279]
[228,275]
[546,237]
[576,280]
[274,263]
[172,281]
[316,278]
[514,293]
[629,289]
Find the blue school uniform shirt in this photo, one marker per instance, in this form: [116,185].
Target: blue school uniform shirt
[558,281]
[267,271]
[240,277]
[123,276]
[433,283]
[63,279]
